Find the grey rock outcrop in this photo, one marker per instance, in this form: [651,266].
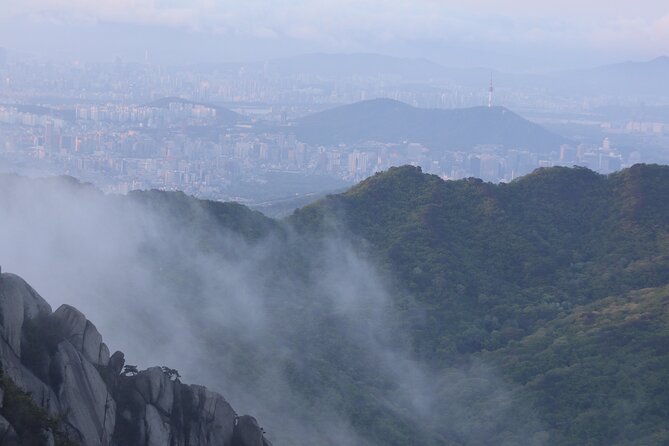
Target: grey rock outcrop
[8,435]
[90,409]
[59,358]
[248,432]
[18,302]
[171,412]
[82,334]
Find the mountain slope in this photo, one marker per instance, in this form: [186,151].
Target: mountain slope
[391,121]
[499,272]
[602,363]
[233,299]
[470,246]
[407,310]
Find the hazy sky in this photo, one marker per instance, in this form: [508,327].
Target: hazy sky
[482,32]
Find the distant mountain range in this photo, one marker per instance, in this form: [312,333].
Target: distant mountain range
[628,79]
[657,65]
[391,121]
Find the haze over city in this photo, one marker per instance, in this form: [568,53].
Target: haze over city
[511,35]
[327,223]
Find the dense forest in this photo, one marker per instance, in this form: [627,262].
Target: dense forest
[534,312]
[560,278]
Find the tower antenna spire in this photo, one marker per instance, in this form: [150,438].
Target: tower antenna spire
[490,90]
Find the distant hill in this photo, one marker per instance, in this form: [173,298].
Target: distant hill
[224,115]
[646,80]
[624,80]
[65,114]
[391,121]
[657,66]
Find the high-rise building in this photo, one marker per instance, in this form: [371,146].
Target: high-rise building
[353,163]
[48,135]
[3,57]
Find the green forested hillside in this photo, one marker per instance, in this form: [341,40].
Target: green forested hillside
[599,374]
[494,262]
[407,310]
[546,275]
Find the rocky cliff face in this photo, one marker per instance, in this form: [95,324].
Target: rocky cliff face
[59,359]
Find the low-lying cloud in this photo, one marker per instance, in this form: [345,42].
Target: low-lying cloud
[298,332]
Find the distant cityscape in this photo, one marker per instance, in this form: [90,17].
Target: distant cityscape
[125,127]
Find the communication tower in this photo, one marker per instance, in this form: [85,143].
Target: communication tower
[490,90]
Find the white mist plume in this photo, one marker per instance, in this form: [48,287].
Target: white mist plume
[178,290]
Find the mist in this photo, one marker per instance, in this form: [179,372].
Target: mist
[508,35]
[254,316]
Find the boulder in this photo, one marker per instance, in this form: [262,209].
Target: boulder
[156,410]
[8,435]
[157,429]
[26,380]
[156,389]
[93,348]
[112,373]
[116,363]
[82,334]
[85,400]
[211,418]
[18,302]
[82,385]
[247,432]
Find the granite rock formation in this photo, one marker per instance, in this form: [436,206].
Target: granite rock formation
[59,359]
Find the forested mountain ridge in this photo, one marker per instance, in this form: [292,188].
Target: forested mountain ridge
[568,235]
[558,277]
[407,310]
